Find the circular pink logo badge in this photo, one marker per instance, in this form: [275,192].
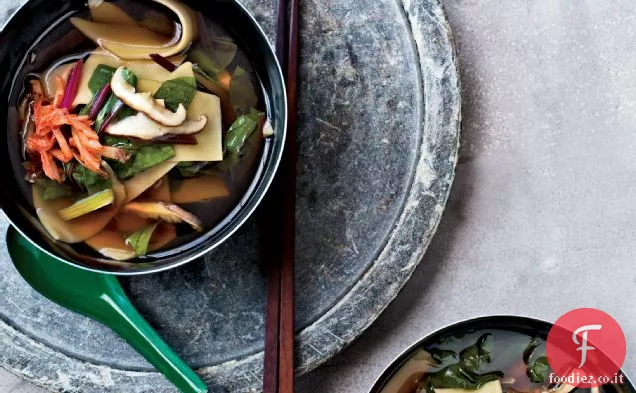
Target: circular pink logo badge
[586,348]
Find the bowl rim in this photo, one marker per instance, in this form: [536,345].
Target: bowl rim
[266,179]
[397,362]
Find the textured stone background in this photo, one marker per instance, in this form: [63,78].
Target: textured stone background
[541,218]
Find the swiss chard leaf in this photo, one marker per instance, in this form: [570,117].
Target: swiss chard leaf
[240,131]
[90,181]
[442,356]
[473,357]
[146,157]
[140,240]
[128,145]
[105,112]
[242,92]
[131,78]
[101,76]
[538,371]
[50,190]
[529,350]
[191,169]
[177,91]
[219,54]
[455,377]
[464,374]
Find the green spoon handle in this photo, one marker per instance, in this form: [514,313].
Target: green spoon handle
[121,316]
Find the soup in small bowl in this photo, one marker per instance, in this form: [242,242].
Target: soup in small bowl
[499,354]
[140,134]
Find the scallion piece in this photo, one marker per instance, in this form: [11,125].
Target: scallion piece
[87,205]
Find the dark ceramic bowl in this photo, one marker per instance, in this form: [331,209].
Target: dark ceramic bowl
[529,326]
[38,19]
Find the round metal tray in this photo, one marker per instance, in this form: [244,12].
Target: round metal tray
[378,138]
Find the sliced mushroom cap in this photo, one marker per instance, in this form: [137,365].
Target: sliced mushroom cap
[168,212]
[143,127]
[144,102]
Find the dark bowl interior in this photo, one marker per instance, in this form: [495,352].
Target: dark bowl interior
[529,326]
[36,20]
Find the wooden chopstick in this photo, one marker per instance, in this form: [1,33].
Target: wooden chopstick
[279,324]
[286,340]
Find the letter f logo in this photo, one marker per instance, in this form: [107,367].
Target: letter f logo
[584,347]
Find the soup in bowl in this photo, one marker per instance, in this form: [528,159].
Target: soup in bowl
[140,134]
[499,354]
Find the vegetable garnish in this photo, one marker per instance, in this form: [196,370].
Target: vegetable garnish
[99,101]
[465,373]
[113,108]
[48,119]
[90,181]
[140,240]
[51,190]
[87,205]
[73,85]
[206,83]
[177,91]
[538,372]
[146,157]
[101,77]
[144,102]
[238,133]
[162,61]
[168,212]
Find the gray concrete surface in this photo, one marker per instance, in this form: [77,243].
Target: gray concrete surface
[540,220]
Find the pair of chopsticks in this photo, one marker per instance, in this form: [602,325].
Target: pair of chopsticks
[279,321]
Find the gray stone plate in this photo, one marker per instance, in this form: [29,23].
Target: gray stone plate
[378,137]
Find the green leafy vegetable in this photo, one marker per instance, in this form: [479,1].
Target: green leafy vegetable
[131,78]
[90,181]
[87,108]
[538,372]
[177,91]
[242,92]
[455,377]
[475,356]
[442,355]
[465,373]
[101,76]
[128,145]
[220,53]
[140,240]
[50,189]
[529,350]
[191,169]
[105,112]
[238,133]
[146,157]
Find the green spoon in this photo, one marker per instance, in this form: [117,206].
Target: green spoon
[99,296]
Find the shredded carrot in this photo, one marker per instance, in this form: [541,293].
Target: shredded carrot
[49,142]
[59,91]
[37,143]
[50,168]
[64,147]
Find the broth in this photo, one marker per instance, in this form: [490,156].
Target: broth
[505,361]
[209,190]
